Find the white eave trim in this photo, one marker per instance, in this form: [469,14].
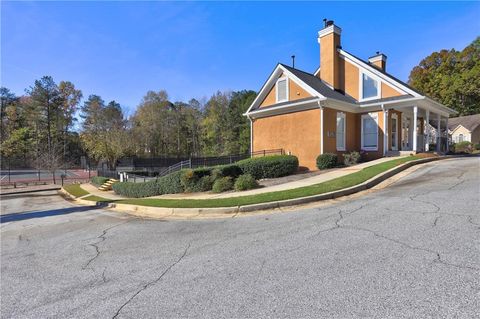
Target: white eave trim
[287,108]
[271,83]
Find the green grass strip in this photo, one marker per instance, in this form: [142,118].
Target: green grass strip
[321,188]
[75,190]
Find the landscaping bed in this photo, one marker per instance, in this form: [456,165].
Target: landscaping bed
[321,188]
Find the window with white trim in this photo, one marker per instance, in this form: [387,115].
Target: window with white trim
[369,87]
[370,132]
[282,90]
[341,125]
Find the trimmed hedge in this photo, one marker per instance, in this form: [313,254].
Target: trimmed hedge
[136,190]
[170,184]
[98,180]
[269,166]
[245,182]
[222,184]
[197,180]
[327,160]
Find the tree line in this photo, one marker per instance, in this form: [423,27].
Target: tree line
[49,127]
[451,77]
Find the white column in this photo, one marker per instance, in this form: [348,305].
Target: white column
[385,131]
[415,114]
[427,131]
[448,135]
[439,129]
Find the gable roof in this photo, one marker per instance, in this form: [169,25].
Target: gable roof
[319,86]
[470,122]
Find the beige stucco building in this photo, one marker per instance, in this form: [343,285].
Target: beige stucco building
[465,128]
[347,104]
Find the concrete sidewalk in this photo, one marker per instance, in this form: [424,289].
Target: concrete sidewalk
[289,185]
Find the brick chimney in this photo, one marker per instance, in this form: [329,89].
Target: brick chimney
[329,40]
[379,60]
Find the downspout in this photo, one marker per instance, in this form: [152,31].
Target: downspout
[321,107]
[251,135]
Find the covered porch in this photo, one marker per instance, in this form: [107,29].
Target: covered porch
[415,127]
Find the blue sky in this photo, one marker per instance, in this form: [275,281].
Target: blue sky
[120,50]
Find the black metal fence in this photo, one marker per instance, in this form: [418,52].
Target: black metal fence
[158,166]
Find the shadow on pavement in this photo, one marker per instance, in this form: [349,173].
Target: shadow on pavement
[39,214]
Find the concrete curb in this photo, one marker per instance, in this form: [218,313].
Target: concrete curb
[31,191]
[222,212]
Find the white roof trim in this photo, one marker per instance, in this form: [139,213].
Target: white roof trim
[379,74]
[287,108]
[316,71]
[330,29]
[458,126]
[271,82]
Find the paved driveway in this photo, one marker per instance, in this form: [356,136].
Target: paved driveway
[411,250]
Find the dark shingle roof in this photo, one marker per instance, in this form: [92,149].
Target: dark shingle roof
[317,84]
[470,122]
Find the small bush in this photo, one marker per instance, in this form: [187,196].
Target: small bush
[170,184]
[327,160]
[222,184]
[136,190]
[477,146]
[98,180]
[351,158]
[269,166]
[463,147]
[197,180]
[231,170]
[244,182]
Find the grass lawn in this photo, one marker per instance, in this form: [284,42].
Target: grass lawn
[325,187]
[75,190]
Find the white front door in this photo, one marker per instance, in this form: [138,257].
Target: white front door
[394,133]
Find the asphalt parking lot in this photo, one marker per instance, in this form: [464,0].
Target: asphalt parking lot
[411,250]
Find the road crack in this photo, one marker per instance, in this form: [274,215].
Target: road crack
[150,283]
[438,257]
[101,238]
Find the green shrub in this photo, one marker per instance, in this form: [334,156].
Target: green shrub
[351,158]
[269,166]
[136,190]
[231,170]
[477,146]
[197,180]
[327,160]
[98,180]
[244,182]
[171,183]
[463,147]
[168,184]
[222,184]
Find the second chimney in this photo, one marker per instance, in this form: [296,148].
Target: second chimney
[379,60]
[329,40]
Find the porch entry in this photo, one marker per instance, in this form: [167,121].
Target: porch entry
[394,133]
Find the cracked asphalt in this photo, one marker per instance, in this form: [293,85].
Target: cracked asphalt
[411,250]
